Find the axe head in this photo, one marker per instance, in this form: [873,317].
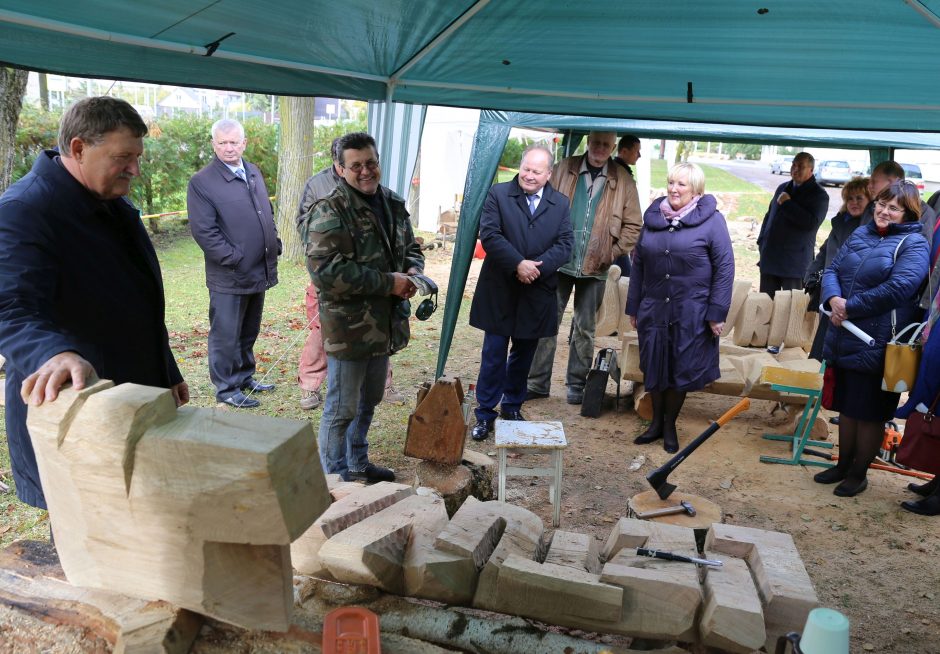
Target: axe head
[657,480]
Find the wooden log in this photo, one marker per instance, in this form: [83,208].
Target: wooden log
[453,482]
[739,292]
[623,288]
[32,582]
[608,315]
[630,359]
[437,430]
[572,550]
[810,324]
[732,618]
[473,532]
[522,536]
[194,506]
[706,511]
[780,318]
[482,473]
[342,514]
[558,594]
[795,334]
[373,551]
[785,588]
[753,322]
[642,402]
[730,382]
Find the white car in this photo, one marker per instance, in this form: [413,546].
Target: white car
[836,173]
[781,166]
[912,172]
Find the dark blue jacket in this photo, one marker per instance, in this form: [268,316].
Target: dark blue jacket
[501,303]
[233,223]
[681,279]
[76,274]
[865,274]
[787,240]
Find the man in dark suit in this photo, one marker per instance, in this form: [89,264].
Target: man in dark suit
[787,240]
[80,288]
[233,222]
[526,233]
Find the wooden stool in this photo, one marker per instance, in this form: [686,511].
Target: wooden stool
[529,437]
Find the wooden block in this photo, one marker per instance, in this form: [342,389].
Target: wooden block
[522,536]
[623,287]
[730,382]
[345,488]
[752,325]
[436,430]
[789,377]
[473,532]
[630,360]
[738,296]
[785,588]
[608,315]
[795,334]
[732,619]
[810,324]
[791,354]
[353,508]
[726,346]
[451,481]
[572,550]
[750,367]
[373,551]
[558,594]
[627,533]
[193,506]
[780,318]
[642,402]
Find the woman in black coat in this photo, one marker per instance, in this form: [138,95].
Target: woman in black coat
[679,296]
[875,277]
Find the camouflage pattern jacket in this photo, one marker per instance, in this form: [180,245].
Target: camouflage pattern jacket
[350,260]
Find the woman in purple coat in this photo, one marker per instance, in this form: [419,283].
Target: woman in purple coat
[680,293]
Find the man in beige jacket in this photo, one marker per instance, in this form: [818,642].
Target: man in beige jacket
[606,218]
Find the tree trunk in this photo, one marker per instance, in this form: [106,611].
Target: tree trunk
[44,91]
[294,167]
[12,88]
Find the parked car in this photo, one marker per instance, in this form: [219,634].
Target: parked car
[832,172]
[912,172]
[781,166]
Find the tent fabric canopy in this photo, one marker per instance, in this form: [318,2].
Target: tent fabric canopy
[846,64]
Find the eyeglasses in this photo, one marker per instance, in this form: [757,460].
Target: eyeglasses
[890,208]
[227,144]
[372,165]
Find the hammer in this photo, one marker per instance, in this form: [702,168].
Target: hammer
[682,507]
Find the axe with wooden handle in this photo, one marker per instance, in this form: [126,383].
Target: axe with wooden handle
[657,478]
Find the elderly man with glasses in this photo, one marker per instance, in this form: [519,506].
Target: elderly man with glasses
[233,222]
[360,252]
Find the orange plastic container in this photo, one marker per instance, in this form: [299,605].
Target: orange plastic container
[351,630]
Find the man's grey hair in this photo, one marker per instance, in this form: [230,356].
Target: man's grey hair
[90,119]
[806,155]
[227,125]
[543,148]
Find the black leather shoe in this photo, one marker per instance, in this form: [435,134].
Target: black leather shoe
[240,401]
[534,395]
[927,506]
[575,396]
[850,488]
[371,474]
[257,387]
[482,430]
[511,415]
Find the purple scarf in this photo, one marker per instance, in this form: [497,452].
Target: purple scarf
[676,215]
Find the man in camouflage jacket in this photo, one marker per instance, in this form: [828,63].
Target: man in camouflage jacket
[360,251]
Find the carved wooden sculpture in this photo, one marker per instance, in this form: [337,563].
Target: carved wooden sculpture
[193,506]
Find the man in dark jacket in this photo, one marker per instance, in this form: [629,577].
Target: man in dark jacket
[360,252]
[787,240]
[526,232]
[232,221]
[80,288]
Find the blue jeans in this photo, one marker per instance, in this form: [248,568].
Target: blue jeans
[353,390]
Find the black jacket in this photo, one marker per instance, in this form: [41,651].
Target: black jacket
[787,240]
[76,274]
[501,303]
[233,223]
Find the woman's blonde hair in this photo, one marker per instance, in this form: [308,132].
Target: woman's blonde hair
[857,185]
[692,173]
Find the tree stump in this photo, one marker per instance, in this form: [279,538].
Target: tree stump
[482,472]
[642,402]
[453,482]
[706,511]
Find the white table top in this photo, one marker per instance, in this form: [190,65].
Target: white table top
[529,433]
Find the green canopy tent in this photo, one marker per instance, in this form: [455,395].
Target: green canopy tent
[494,131]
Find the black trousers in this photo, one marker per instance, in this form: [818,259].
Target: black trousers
[234,323]
[770,284]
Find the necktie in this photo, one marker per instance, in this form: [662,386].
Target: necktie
[532,200]
[240,174]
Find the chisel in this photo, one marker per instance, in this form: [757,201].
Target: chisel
[669,556]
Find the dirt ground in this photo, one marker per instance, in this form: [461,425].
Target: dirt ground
[867,557]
